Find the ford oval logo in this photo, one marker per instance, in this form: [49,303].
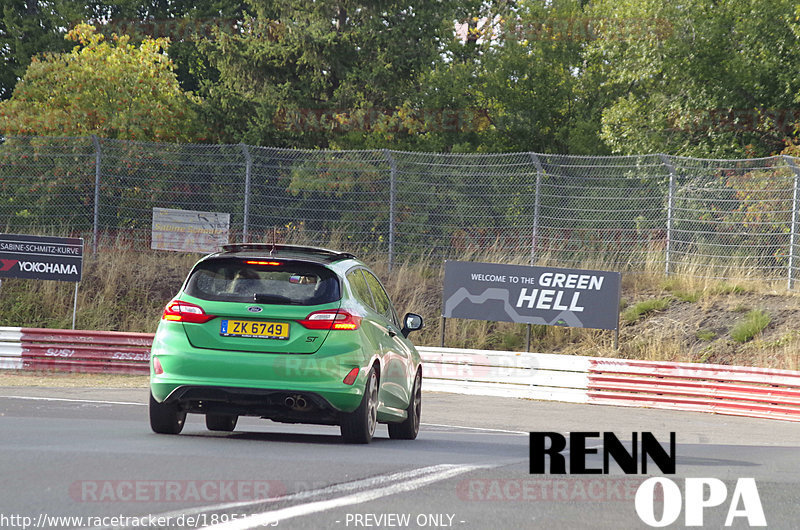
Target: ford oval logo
[254,309]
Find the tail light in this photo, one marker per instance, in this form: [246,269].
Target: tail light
[179,311]
[331,319]
[157,368]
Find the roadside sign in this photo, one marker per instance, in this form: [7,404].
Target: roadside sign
[189,230]
[531,295]
[41,258]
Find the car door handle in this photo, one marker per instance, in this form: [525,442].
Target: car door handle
[391,333]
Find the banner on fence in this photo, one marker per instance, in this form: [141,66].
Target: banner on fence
[41,258]
[189,231]
[531,295]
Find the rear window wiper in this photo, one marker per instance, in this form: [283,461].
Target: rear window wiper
[265,298]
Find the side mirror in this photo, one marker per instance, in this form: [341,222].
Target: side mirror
[411,322]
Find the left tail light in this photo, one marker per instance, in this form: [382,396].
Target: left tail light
[179,311]
[331,319]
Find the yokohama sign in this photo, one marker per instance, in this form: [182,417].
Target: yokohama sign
[41,258]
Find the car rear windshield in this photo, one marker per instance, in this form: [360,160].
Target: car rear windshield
[264,281]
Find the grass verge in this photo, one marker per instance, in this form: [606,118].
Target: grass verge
[637,311]
[754,322]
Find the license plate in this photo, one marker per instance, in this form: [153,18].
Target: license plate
[251,328]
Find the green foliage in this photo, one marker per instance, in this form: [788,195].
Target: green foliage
[295,62]
[674,286]
[687,296]
[754,322]
[109,88]
[636,311]
[28,28]
[705,335]
[573,76]
[726,288]
[522,67]
[698,78]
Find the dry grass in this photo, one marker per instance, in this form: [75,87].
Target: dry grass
[125,290]
[12,378]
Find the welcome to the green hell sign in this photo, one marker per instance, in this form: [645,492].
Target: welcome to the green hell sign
[531,295]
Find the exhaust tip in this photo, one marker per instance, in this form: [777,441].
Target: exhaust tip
[289,402]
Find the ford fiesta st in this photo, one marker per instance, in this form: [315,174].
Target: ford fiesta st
[293,334]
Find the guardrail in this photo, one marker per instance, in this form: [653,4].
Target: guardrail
[75,350]
[543,376]
[735,390]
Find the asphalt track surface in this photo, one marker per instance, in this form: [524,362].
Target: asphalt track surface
[90,453]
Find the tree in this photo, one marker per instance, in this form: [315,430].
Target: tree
[109,88]
[32,27]
[529,77]
[297,68]
[184,22]
[697,77]
[512,79]
[28,27]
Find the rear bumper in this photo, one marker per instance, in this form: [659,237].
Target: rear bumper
[278,405]
[252,382]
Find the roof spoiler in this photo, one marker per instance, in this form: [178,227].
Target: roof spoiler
[277,247]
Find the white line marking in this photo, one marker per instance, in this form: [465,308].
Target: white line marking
[34,398]
[485,429]
[366,483]
[503,431]
[266,518]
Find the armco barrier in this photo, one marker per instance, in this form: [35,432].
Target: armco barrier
[74,350]
[506,374]
[736,390]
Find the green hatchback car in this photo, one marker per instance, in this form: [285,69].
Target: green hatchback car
[289,333]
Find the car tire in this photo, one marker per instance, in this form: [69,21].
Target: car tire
[221,422]
[358,426]
[166,418]
[408,429]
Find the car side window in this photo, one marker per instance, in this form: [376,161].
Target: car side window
[382,302]
[359,285]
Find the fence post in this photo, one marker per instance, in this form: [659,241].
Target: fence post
[539,173]
[392,200]
[246,213]
[670,198]
[96,220]
[793,229]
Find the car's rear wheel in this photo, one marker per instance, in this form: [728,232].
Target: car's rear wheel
[166,418]
[358,427]
[408,429]
[221,422]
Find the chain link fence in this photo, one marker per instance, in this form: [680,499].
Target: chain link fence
[713,218]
